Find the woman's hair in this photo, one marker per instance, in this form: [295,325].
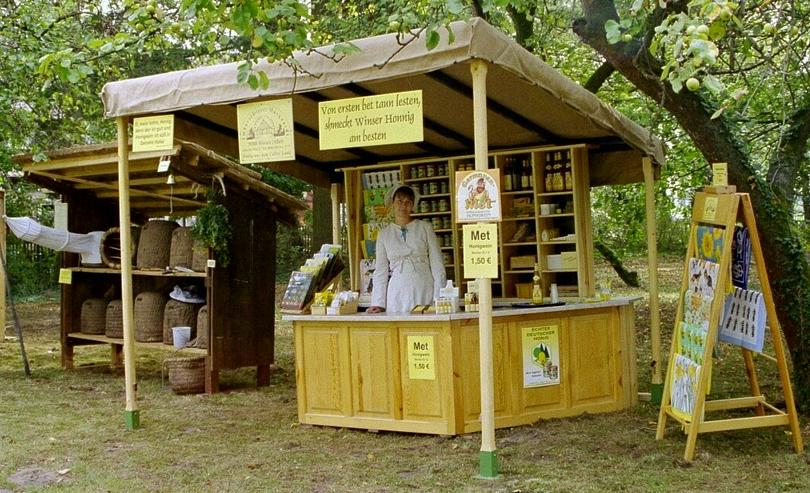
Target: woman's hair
[405,191]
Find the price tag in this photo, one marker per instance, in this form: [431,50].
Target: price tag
[65,276]
[211,263]
[480,251]
[421,358]
[163,164]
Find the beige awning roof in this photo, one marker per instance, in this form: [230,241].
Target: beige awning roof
[93,170]
[529,103]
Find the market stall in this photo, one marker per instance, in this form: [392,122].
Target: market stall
[484,102]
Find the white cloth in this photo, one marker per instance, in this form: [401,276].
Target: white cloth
[415,264]
[87,244]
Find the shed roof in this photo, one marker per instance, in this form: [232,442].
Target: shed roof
[529,102]
[93,169]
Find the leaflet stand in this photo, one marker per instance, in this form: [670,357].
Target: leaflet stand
[719,208]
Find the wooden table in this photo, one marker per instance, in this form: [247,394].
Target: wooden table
[368,370]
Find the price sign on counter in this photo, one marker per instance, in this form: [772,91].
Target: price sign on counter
[421,359]
[480,251]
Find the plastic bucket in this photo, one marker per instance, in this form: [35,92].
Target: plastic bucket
[181,336]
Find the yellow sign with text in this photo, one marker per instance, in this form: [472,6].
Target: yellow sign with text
[153,133]
[480,251]
[421,358]
[371,120]
[720,174]
[65,276]
[710,208]
[266,131]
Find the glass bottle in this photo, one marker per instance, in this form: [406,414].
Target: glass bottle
[559,184]
[525,171]
[549,171]
[507,175]
[515,173]
[537,286]
[569,179]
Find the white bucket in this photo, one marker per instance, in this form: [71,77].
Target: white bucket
[181,336]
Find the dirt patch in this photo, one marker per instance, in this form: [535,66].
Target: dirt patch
[35,476]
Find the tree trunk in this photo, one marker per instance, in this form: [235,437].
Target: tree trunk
[629,277]
[785,262]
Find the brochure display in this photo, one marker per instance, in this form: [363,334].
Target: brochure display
[712,309]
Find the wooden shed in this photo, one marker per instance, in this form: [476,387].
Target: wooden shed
[240,320]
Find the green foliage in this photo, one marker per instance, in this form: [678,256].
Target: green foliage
[31,270]
[213,229]
[291,248]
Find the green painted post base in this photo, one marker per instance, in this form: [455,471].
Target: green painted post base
[132,420]
[488,465]
[656,392]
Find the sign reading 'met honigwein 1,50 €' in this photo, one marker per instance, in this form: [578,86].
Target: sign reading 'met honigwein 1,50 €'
[371,120]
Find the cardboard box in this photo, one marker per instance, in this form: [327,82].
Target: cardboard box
[554,262]
[569,260]
[523,262]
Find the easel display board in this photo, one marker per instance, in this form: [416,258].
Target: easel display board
[715,304]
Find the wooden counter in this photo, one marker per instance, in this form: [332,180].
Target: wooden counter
[358,371]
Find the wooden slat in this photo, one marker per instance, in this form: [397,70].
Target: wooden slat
[106,158]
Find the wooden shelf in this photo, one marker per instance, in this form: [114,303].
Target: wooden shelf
[428,214]
[552,216]
[555,194]
[522,218]
[426,178]
[120,342]
[135,272]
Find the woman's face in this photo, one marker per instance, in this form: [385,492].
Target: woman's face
[403,206]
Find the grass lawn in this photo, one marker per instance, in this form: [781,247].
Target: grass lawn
[64,431]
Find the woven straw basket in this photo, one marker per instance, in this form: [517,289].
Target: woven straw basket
[178,314]
[186,375]
[149,317]
[202,328]
[114,326]
[180,255]
[199,257]
[111,246]
[155,244]
[93,316]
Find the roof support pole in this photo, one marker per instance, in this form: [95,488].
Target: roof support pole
[488,460]
[652,266]
[131,414]
[3,252]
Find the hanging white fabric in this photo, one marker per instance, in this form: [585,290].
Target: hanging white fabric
[88,244]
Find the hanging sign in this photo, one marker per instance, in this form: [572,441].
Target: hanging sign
[480,251]
[265,131]
[541,356]
[421,358]
[478,195]
[153,133]
[371,120]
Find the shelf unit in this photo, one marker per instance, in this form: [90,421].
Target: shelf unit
[538,225]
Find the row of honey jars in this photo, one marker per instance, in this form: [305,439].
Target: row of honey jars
[558,172]
[428,170]
[434,205]
[432,187]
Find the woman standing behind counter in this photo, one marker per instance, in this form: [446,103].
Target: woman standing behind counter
[409,249]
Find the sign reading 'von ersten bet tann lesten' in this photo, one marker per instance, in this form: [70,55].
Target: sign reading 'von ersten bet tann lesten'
[371,120]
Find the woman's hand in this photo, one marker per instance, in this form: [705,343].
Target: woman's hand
[375,309]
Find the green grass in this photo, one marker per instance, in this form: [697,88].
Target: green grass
[71,424]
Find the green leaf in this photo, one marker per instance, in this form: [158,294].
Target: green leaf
[455,7]
[432,40]
[613,31]
[264,81]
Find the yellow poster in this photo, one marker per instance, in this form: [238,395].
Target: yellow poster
[421,358]
[710,209]
[153,133]
[480,243]
[720,174]
[65,276]
[478,195]
[371,120]
[541,356]
[266,131]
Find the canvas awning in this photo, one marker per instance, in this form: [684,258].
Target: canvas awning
[528,102]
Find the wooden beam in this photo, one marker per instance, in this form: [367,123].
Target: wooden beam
[84,161]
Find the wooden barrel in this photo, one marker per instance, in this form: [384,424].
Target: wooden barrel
[181,251]
[149,317]
[178,314]
[93,316]
[111,246]
[155,244]
[114,320]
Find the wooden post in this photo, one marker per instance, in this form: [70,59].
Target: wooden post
[2,271]
[652,266]
[488,460]
[131,414]
[335,194]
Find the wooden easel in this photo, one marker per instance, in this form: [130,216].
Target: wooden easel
[721,207]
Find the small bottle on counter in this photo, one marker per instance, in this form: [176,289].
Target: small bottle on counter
[537,286]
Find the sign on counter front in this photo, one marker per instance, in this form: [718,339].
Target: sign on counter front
[153,133]
[265,131]
[480,243]
[541,356]
[371,120]
[478,195]
[421,358]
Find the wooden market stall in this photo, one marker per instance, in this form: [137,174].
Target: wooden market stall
[240,321]
[485,102]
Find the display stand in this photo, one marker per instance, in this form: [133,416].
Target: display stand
[717,210]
